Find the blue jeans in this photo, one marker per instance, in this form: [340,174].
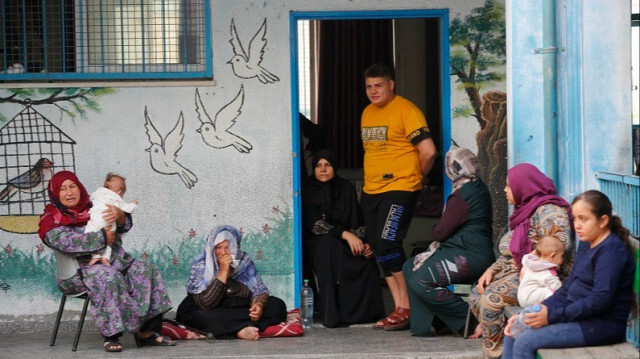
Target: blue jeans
[560,335]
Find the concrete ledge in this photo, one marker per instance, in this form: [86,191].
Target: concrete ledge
[621,350]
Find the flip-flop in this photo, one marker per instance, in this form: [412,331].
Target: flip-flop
[112,346]
[151,341]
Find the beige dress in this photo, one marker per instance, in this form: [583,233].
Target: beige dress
[548,219]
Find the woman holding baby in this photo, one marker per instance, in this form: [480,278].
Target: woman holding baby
[225,294]
[128,295]
[538,212]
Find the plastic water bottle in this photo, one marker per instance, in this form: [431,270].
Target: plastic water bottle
[306,305]
[518,326]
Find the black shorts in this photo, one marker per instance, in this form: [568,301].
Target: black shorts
[387,217]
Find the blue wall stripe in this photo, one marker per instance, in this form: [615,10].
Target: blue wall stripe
[295,145]
[207,28]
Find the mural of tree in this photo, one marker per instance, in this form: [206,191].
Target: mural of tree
[72,102]
[478,54]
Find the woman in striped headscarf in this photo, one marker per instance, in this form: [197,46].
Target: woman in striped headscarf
[461,251]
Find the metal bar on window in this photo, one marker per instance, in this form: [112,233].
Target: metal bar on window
[122,53]
[64,36]
[24,34]
[4,38]
[144,34]
[82,49]
[164,36]
[185,34]
[45,39]
[102,37]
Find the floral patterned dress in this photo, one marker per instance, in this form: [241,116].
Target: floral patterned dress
[124,295]
[488,307]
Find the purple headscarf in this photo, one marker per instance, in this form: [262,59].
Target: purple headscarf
[531,189]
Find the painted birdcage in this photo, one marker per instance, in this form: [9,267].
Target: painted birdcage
[31,150]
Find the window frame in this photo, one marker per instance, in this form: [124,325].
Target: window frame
[82,55]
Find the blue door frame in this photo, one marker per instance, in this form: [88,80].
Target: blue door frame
[443,15]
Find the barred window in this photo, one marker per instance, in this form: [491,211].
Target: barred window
[104,39]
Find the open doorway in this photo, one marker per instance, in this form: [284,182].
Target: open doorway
[330,52]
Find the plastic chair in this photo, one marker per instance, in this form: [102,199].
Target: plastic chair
[82,295]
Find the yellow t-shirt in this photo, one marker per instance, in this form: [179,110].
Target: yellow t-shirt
[390,159]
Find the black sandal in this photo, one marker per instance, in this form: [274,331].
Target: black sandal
[112,346]
[151,341]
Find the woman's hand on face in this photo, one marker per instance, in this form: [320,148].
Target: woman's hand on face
[114,214]
[539,319]
[368,252]
[255,312]
[485,280]
[111,235]
[355,243]
[224,263]
[507,329]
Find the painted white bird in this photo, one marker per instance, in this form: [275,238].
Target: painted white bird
[216,133]
[163,152]
[245,65]
[33,181]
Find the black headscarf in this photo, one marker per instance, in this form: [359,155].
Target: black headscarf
[336,198]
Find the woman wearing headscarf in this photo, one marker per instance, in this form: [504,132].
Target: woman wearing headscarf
[225,294]
[462,249]
[127,296]
[538,212]
[334,244]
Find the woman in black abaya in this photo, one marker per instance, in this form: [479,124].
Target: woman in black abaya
[335,246]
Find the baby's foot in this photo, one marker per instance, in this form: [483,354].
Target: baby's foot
[248,333]
[105,262]
[93,261]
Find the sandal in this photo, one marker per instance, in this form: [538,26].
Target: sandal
[385,321]
[152,340]
[398,320]
[112,346]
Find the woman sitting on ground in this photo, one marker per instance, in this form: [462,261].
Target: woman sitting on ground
[127,296]
[335,246]
[538,212]
[461,251]
[226,296]
[593,305]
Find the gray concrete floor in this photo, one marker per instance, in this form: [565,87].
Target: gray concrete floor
[356,342]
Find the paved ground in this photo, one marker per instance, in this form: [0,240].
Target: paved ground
[356,342]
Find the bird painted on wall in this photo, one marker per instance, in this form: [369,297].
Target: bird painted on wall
[245,65]
[33,181]
[216,133]
[163,152]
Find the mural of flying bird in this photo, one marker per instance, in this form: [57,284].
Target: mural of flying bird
[216,133]
[245,65]
[163,152]
[32,181]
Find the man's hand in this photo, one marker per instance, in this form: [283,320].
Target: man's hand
[426,155]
